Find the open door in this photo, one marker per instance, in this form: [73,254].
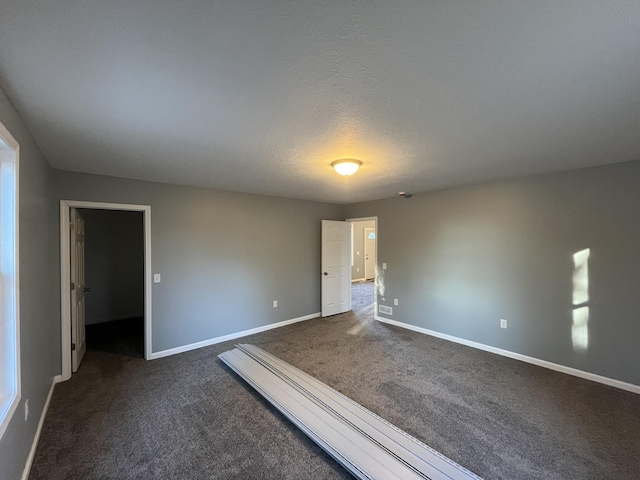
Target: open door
[78,339]
[336,267]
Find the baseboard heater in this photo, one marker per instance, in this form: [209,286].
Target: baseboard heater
[365,444]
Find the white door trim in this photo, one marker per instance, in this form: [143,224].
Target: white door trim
[65,280]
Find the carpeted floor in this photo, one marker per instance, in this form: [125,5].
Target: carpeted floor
[189,417]
[125,337]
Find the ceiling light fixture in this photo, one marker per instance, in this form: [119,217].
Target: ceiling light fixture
[346,166]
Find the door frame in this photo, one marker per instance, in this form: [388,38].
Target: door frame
[375,275]
[65,274]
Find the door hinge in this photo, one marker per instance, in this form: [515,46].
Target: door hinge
[73,286]
[70,226]
[73,347]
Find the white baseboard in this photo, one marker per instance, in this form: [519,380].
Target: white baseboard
[244,333]
[36,438]
[630,387]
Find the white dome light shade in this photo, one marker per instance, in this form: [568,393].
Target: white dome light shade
[346,166]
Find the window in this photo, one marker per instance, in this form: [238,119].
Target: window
[9,315]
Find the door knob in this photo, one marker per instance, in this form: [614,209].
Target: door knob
[326,273]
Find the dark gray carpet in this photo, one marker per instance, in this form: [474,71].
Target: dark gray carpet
[125,337]
[190,417]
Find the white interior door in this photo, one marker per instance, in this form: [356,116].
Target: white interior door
[78,338]
[336,267]
[369,253]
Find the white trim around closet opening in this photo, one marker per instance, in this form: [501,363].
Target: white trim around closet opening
[65,279]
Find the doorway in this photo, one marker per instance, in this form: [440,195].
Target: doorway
[71,327]
[363,248]
[369,253]
[113,280]
[364,255]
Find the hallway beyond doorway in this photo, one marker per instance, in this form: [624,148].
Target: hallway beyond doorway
[362,297]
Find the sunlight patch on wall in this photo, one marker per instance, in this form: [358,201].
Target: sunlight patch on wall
[380,281]
[580,327]
[581,277]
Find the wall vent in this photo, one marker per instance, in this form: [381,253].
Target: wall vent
[385,309]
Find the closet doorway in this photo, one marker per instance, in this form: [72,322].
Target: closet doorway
[105,279]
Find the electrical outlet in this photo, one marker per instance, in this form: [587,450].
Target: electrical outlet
[156,278]
[385,309]
[26,410]
[395,302]
[384,265]
[275,304]
[357,269]
[503,323]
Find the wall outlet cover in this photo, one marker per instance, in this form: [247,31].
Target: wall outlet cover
[503,323]
[385,309]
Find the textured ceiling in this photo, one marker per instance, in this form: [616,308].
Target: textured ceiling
[260,96]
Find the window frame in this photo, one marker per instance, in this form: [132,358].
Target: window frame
[10,378]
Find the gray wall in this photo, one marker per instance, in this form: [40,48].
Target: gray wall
[224,257]
[114,265]
[461,259]
[39,297]
[357,270]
